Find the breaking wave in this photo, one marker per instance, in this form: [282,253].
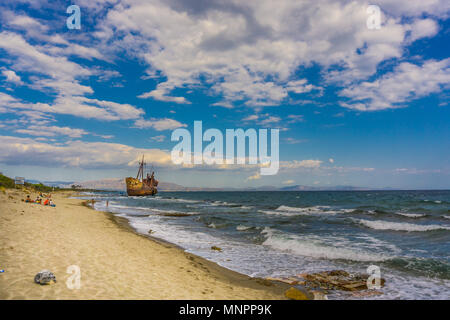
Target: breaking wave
[400,226]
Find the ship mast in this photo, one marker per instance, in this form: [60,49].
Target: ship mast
[141,169]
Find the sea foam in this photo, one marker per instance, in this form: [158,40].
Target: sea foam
[401,226]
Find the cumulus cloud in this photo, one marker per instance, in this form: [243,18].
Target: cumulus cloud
[11,76]
[249,51]
[159,138]
[407,82]
[159,124]
[295,164]
[52,131]
[245,52]
[256,176]
[86,155]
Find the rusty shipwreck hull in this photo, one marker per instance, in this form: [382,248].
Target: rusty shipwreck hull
[137,188]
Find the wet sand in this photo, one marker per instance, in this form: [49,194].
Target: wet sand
[114,261]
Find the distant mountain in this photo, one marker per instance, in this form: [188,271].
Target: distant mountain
[118,184]
[308,188]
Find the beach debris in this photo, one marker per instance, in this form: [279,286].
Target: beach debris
[295,294]
[216,248]
[2,270]
[337,280]
[44,277]
[150,231]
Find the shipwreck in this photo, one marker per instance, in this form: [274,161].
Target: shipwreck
[141,186]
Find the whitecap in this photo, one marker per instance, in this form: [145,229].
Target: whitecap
[400,226]
[411,215]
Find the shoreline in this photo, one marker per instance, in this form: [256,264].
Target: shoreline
[228,275]
[105,248]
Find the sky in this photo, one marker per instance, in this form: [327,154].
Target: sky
[360,106]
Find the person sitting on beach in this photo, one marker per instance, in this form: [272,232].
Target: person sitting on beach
[28,199]
[38,200]
[51,204]
[46,202]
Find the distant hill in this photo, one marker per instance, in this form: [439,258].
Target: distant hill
[308,188]
[119,185]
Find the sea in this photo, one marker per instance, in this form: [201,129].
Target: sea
[406,234]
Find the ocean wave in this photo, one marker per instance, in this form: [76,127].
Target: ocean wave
[293,211]
[173,213]
[411,215]
[400,226]
[242,228]
[446,217]
[305,209]
[315,249]
[179,200]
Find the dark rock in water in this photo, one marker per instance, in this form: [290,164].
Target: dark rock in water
[216,248]
[44,277]
[337,280]
[295,294]
[150,231]
[176,214]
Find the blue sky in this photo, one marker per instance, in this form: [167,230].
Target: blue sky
[355,106]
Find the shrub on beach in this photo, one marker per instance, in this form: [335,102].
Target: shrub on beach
[6,182]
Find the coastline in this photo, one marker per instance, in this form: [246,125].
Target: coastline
[115,261]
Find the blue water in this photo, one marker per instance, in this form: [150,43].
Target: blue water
[405,233]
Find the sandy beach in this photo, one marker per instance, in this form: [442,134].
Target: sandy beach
[115,262]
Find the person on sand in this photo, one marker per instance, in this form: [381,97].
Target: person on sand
[38,200]
[46,201]
[51,204]
[28,199]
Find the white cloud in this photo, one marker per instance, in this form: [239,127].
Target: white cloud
[407,82]
[249,51]
[86,155]
[291,140]
[423,28]
[256,176]
[159,124]
[51,131]
[301,86]
[159,138]
[162,94]
[11,76]
[295,164]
